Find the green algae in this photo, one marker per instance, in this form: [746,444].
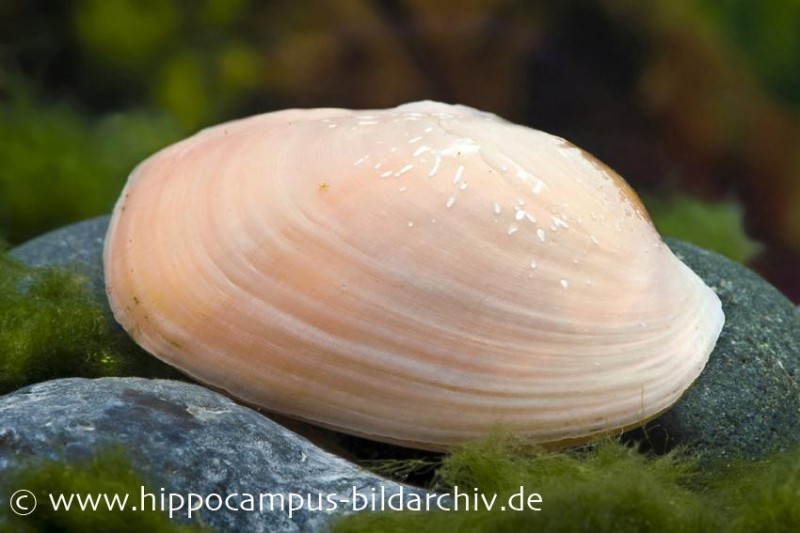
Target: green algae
[109,473]
[759,496]
[50,327]
[605,487]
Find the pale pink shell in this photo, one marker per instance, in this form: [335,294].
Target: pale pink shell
[417,275]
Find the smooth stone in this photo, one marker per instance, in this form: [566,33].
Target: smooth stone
[745,403]
[78,246]
[186,439]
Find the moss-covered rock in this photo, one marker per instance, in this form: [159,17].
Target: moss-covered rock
[50,327]
[55,322]
[77,248]
[108,474]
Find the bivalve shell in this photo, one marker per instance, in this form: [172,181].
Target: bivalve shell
[417,275]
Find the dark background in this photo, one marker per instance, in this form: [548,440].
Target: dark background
[694,102]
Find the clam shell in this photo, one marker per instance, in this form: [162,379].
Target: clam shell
[417,275]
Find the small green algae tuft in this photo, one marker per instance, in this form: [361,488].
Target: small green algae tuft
[51,328]
[603,487]
[108,474]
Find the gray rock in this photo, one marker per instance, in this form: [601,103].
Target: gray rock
[186,439]
[77,246]
[746,402]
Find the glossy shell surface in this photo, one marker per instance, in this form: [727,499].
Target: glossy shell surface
[418,275]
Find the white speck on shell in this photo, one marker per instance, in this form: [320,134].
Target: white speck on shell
[437,162]
[463,147]
[421,150]
[459,174]
[404,169]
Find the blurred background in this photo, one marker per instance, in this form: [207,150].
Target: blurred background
[695,102]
